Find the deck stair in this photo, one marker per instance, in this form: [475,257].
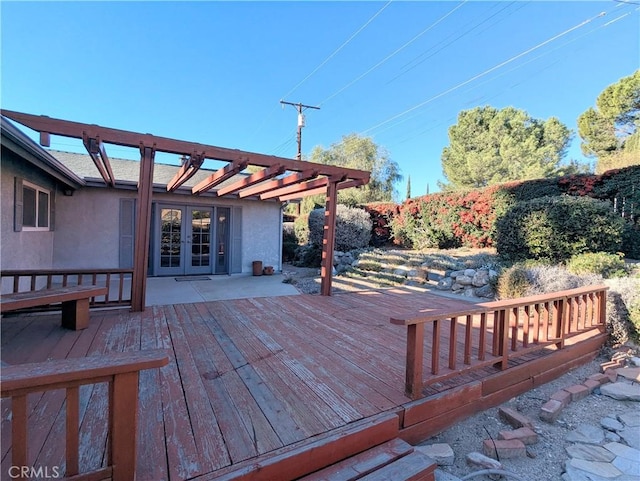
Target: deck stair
[394,459]
[369,450]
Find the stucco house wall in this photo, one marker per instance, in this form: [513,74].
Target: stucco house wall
[87,229]
[25,249]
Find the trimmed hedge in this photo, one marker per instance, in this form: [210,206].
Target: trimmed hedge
[353,227]
[557,228]
[469,218]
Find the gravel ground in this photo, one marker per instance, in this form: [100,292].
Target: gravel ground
[545,459]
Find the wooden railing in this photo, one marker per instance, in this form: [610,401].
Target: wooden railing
[495,332]
[120,370]
[118,281]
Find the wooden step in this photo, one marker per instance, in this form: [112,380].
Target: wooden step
[413,467]
[364,463]
[309,456]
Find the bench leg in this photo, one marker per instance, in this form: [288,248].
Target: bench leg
[75,314]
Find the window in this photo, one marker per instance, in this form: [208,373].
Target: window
[35,207]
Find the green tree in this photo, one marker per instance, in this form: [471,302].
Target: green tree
[409,187]
[488,146]
[358,152]
[610,130]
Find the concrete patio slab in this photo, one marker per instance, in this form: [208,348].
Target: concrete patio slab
[167,290]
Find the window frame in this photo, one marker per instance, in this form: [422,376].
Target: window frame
[38,190]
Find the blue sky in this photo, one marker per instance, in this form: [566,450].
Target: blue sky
[399,72]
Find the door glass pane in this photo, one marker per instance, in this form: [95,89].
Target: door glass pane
[222,240]
[170,237]
[200,238]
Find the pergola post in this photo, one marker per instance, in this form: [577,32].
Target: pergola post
[329,237]
[143,228]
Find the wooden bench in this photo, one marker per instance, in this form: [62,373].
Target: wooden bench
[74,299]
[120,370]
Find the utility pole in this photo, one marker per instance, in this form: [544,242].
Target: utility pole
[300,108]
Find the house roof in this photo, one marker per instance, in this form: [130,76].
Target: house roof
[18,142]
[300,178]
[126,172]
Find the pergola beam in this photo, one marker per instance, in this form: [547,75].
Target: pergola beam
[253,179]
[220,176]
[41,123]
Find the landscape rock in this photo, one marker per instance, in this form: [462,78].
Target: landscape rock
[464,280]
[630,419]
[590,452]
[445,284]
[630,373]
[631,436]
[481,278]
[622,391]
[587,434]
[594,468]
[441,453]
[485,291]
[481,461]
[611,424]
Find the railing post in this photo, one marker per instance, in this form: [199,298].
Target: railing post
[560,322]
[504,339]
[602,309]
[124,425]
[415,353]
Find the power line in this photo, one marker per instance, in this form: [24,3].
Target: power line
[393,53]
[486,72]
[337,50]
[544,54]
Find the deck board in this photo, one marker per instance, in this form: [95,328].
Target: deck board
[245,378]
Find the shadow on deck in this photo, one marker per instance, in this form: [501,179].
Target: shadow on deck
[265,388]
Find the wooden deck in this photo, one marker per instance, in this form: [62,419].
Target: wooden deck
[246,377]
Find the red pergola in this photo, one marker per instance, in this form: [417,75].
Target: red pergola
[281,179]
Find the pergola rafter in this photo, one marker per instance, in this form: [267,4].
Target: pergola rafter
[253,179]
[98,154]
[319,190]
[304,178]
[189,168]
[296,188]
[220,176]
[290,179]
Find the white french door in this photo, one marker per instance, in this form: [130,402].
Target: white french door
[191,240]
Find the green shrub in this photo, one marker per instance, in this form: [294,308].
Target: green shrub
[623,310]
[353,228]
[513,282]
[557,228]
[308,255]
[289,242]
[301,229]
[631,241]
[603,263]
